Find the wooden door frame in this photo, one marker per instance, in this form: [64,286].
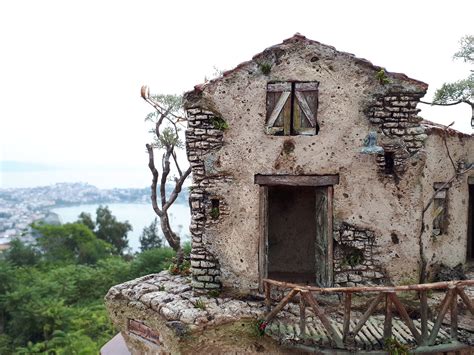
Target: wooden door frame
[470,221]
[264,181]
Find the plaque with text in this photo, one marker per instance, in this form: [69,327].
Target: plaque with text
[144,331]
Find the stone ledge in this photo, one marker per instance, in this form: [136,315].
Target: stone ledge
[171,298]
[160,314]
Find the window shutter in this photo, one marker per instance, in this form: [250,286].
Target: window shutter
[305,108]
[278,108]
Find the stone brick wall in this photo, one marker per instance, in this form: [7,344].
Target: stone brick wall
[397,117]
[356,260]
[202,138]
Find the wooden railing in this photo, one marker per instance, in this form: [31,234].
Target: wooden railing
[388,295]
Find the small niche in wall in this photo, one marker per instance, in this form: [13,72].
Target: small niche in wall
[215,211]
[389,162]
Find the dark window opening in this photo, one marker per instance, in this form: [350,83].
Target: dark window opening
[470,228]
[292,108]
[215,211]
[389,162]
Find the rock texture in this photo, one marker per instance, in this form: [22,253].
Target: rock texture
[159,313]
[357,257]
[203,139]
[171,318]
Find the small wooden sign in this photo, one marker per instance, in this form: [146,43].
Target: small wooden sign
[144,331]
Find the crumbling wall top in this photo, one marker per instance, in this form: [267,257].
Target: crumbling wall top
[273,55]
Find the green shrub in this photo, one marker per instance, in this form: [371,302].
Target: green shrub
[152,261]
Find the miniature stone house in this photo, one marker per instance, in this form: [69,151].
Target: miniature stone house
[312,166]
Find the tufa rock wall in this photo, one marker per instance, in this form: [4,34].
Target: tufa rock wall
[396,116]
[202,139]
[356,261]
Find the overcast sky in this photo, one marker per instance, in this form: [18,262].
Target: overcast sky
[71,71]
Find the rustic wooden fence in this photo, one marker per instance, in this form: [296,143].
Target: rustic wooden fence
[388,295]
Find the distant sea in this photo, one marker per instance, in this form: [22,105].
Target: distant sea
[139,216]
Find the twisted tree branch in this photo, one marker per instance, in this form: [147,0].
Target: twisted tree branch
[169,146]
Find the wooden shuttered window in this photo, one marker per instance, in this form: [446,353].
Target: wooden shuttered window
[279,108]
[305,108]
[440,206]
[292,108]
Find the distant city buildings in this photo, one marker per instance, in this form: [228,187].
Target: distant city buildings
[20,207]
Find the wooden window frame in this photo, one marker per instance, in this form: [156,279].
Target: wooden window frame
[265,181]
[291,101]
[441,201]
[470,222]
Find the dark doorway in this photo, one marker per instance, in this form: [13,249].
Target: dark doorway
[297,224]
[470,227]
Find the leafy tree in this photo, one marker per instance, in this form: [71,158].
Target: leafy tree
[5,344]
[166,118]
[150,238]
[151,261]
[86,219]
[20,254]
[52,301]
[110,230]
[461,91]
[71,242]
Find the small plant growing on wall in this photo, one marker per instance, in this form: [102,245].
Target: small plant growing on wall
[215,211]
[394,347]
[382,77]
[219,123]
[259,326]
[265,68]
[214,293]
[200,305]
[182,269]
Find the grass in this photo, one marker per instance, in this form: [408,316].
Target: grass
[200,305]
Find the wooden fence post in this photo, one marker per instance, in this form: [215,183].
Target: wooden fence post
[424,317]
[347,315]
[454,316]
[302,315]
[268,296]
[387,325]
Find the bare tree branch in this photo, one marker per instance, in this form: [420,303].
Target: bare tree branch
[177,189]
[164,176]
[439,104]
[176,164]
[155,174]
[446,145]
[168,139]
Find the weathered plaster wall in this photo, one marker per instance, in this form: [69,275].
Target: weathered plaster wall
[448,248]
[386,205]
